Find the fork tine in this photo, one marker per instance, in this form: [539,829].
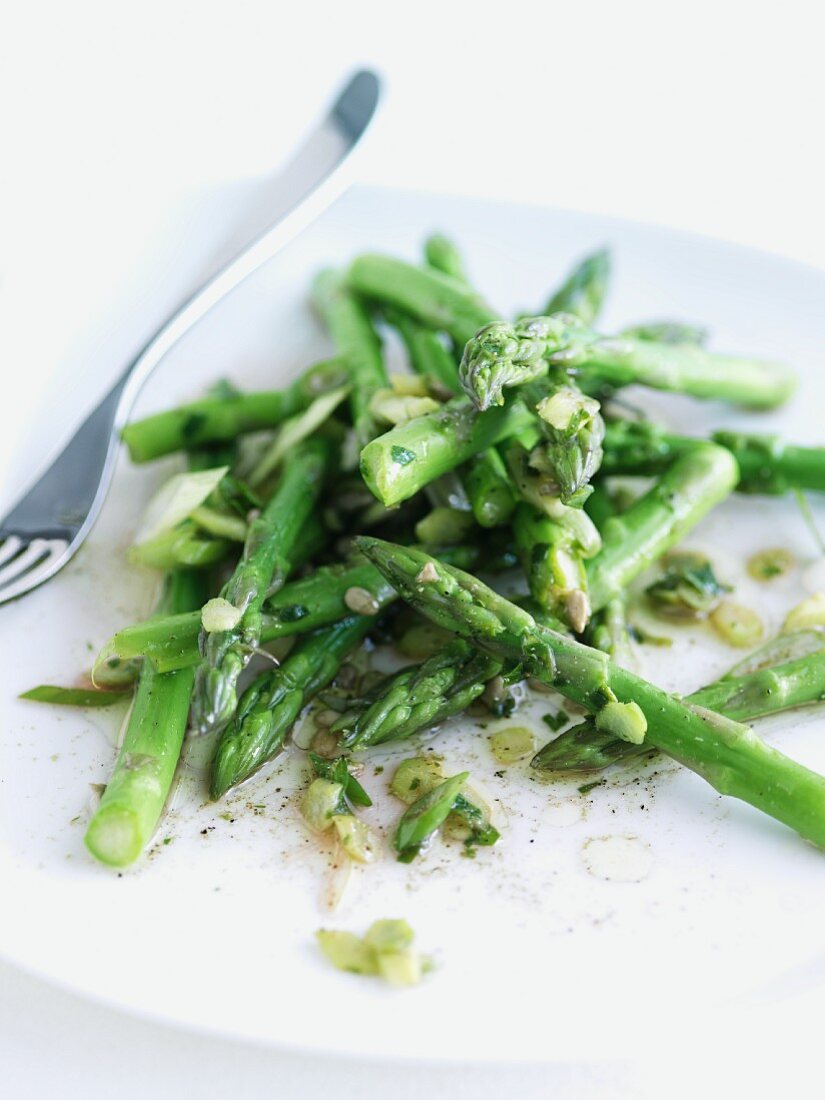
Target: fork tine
[39,561]
[9,548]
[23,562]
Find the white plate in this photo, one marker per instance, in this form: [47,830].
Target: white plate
[539,957]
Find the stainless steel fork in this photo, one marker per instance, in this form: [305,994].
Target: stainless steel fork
[49,524]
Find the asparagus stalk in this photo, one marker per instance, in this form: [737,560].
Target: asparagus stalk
[221,418]
[798,683]
[436,300]
[357,344]
[135,795]
[442,254]
[553,564]
[666,332]
[266,563]
[488,487]
[399,463]
[501,355]
[728,755]
[698,480]
[429,356]
[269,707]
[582,293]
[766,464]
[315,601]
[418,697]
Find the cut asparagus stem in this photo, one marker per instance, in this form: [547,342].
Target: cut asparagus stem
[743,698]
[697,481]
[489,489]
[428,354]
[315,601]
[583,291]
[135,795]
[267,561]
[486,481]
[356,342]
[269,707]
[553,564]
[438,301]
[443,254]
[728,755]
[501,355]
[766,464]
[667,332]
[221,418]
[399,463]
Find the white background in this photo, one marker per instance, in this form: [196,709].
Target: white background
[136,141]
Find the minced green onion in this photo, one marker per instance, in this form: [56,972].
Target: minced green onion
[810,613]
[768,564]
[512,744]
[415,776]
[737,625]
[355,836]
[176,500]
[624,720]
[322,801]
[219,614]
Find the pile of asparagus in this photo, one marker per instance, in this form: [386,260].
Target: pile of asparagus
[496,452]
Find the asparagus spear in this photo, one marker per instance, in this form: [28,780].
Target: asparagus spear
[488,487]
[502,355]
[582,293]
[667,332]
[442,254]
[695,483]
[220,418]
[269,707]
[135,795]
[418,697]
[583,748]
[439,301]
[728,755]
[399,463]
[766,463]
[552,559]
[357,344]
[265,565]
[318,600]
[428,355]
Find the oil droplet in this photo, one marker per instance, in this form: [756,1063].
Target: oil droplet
[617,858]
[564,813]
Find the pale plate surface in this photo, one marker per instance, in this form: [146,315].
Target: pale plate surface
[542,951]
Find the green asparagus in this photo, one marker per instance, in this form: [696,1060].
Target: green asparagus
[582,293]
[132,803]
[436,300]
[766,464]
[751,695]
[220,418]
[502,355]
[728,755]
[694,484]
[269,707]
[356,342]
[265,565]
[418,697]
[317,600]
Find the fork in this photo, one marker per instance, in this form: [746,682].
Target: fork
[46,528]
